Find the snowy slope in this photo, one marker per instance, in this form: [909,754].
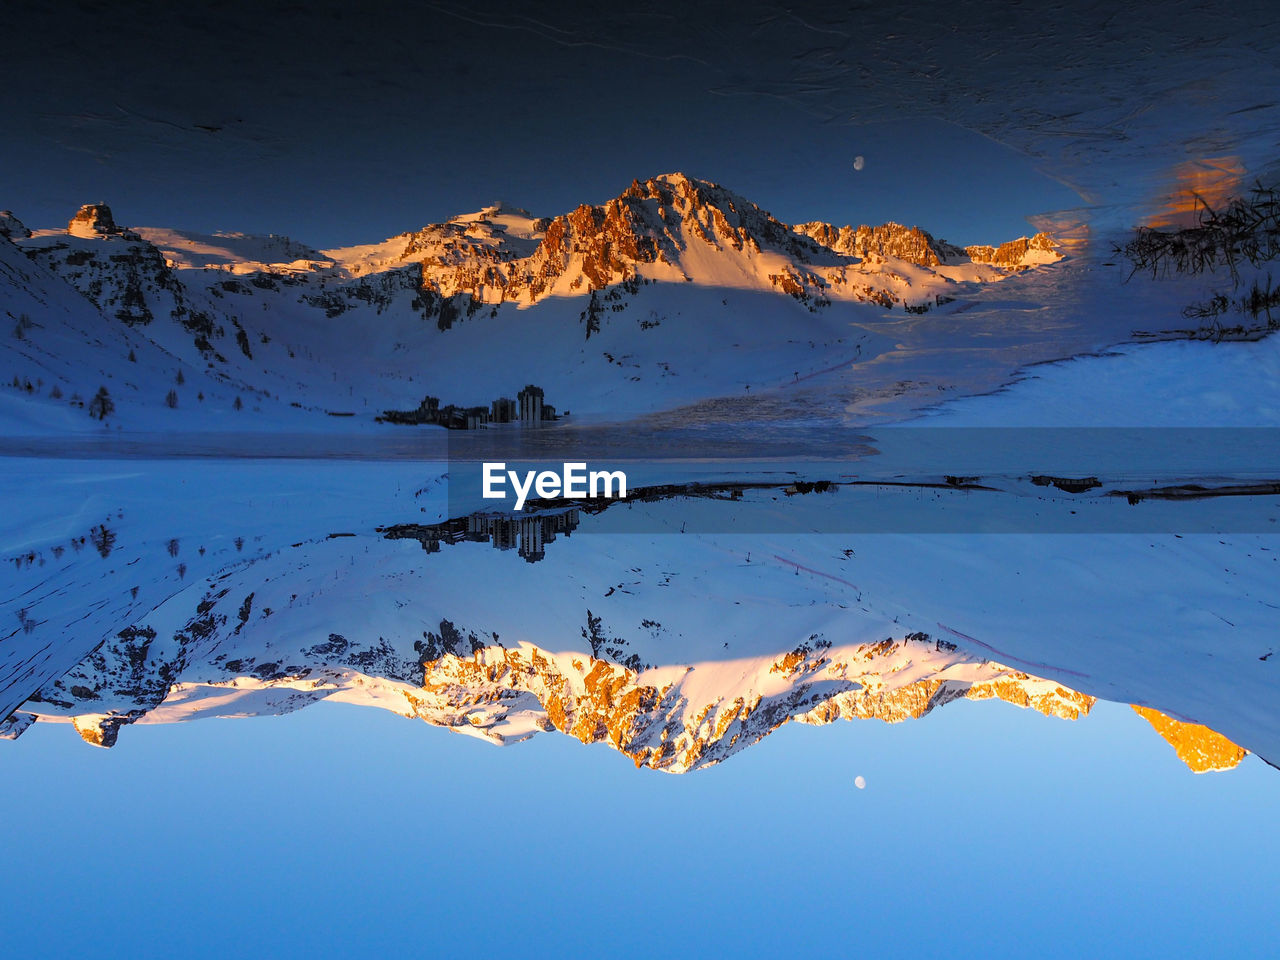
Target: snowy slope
[234,252]
[1182,383]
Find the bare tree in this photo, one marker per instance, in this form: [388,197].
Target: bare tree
[101,406]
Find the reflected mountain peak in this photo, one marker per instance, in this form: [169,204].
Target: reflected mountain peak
[674,717]
[1197,746]
[679,641]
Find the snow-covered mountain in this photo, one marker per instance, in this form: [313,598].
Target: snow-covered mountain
[228,660]
[676,291]
[675,229]
[674,717]
[289,586]
[284,587]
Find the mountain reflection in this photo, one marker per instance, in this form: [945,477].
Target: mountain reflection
[676,651]
[528,536]
[674,717]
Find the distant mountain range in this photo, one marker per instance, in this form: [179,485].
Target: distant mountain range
[604,306]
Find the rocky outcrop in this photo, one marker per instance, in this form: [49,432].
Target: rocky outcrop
[674,717]
[1014,253]
[125,277]
[1197,746]
[652,228]
[11,228]
[913,245]
[910,244]
[670,228]
[14,725]
[653,722]
[103,731]
[95,220]
[652,222]
[464,680]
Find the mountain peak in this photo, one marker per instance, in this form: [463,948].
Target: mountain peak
[94,220]
[500,207]
[1197,746]
[500,220]
[495,210]
[673,187]
[676,228]
[11,227]
[891,239]
[678,179]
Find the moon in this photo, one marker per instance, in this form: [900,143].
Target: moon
[860,782]
[859,162]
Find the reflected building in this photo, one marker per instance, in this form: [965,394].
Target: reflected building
[528,536]
[531,403]
[529,408]
[503,410]
[533,406]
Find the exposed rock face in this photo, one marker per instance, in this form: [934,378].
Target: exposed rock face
[457,680]
[887,240]
[11,228]
[127,279]
[15,724]
[673,717]
[651,222]
[654,724]
[914,245]
[123,275]
[93,220]
[663,228]
[102,731]
[666,229]
[1013,254]
[1198,747]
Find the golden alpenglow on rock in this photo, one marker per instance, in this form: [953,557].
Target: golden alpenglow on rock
[1198,747]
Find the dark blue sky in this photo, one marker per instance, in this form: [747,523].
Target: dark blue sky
[341,123]
[346,126]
